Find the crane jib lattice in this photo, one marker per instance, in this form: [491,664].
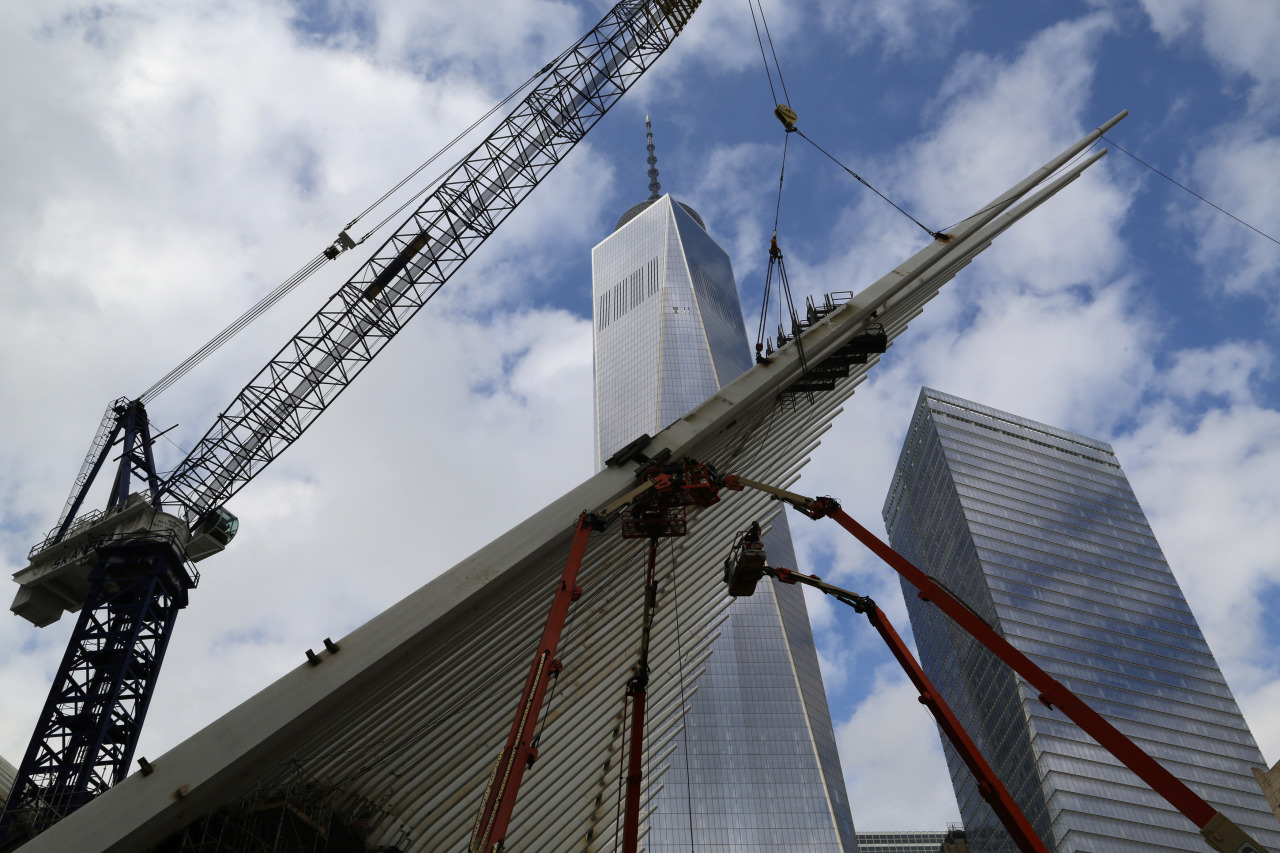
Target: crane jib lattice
[339,341]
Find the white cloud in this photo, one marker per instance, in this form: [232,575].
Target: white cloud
[1239,35]
[995,119]
[1227,372]
[898,26]
[175,163]
[728,196]
[1052,324]
[1210,486]
[1235,167]
[892,757]
[1238,173]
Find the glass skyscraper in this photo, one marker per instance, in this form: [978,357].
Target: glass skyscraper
[1038,531]
[757,739]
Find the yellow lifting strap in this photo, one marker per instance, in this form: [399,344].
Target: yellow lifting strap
[787,116]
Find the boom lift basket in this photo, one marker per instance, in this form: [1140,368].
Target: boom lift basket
[746,563]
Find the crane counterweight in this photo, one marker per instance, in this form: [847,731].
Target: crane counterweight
[57,578]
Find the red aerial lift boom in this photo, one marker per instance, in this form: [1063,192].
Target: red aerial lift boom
[519,753]
[989,785]
[655,509]
[1219,831]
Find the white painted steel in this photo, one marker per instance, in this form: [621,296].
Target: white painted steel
[409,716]
[7,772]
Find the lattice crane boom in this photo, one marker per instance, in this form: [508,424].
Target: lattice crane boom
[128,570]
[336,344]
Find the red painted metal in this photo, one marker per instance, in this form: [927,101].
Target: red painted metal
[635,765]
[518,755]
[637,687]
[989,785]
[1052,693]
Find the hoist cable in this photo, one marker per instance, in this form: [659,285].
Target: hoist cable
[764,307]
[289,284]
[776,63]
[459,137]
[937,235]
[795,318]
[684,724]
[782,174]
[1193,192]
[763,58]
[768,276]
[419,194]
[278,293]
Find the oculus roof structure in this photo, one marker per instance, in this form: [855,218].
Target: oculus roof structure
[403,718]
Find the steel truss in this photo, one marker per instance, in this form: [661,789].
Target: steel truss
[305,377]
[89,726]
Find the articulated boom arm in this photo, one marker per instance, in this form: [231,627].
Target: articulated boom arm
[989,785]
[285,398]
[1221,833]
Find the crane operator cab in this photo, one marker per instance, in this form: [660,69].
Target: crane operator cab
[746,562]
[211,534]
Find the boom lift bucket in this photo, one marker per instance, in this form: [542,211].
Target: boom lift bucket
[746,564]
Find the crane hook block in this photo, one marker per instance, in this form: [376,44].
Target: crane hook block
[340,245]
[787,116]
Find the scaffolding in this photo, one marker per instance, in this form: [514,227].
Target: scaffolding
[293,815]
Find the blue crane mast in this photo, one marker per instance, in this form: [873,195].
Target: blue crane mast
[129,568]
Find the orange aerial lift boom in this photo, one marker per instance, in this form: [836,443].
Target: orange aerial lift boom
[1221,833]
[989,785]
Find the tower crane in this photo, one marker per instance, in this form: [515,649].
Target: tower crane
[128,569]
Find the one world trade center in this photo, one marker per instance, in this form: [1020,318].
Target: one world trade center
[754,767]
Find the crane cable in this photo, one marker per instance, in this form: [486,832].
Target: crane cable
[784,284]
[786,115]
[340,245]
[937,235]
[1180,186]
[791,128]
[751,4]
[278,293]
[684,708]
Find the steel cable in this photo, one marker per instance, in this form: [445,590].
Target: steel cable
[290,284]
[684,708]
[934,234]
[763,58]
[1193,192]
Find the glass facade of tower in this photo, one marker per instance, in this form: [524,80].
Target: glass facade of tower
[900,842]
[1038,531]
[763,771]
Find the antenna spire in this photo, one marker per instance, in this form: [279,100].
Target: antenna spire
[654,186]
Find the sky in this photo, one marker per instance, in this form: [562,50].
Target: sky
[168,164]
